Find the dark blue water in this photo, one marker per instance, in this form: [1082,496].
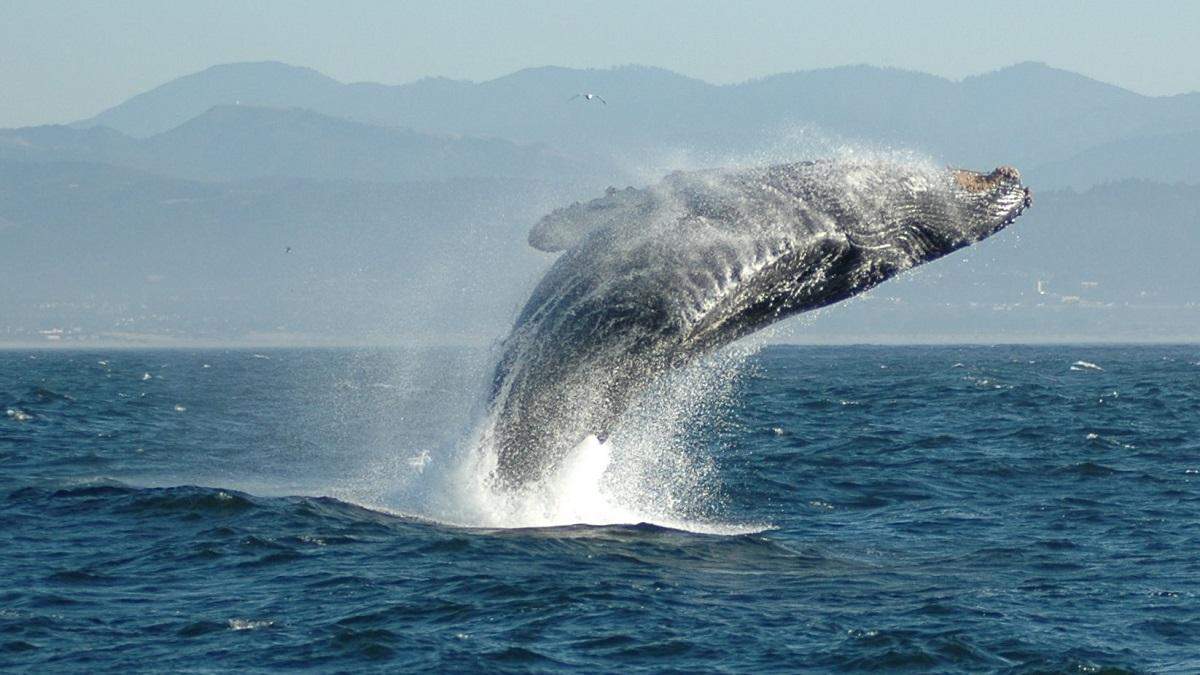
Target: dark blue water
[953,509]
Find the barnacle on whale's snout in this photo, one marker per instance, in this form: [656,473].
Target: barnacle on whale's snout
[979,182]
[999,177]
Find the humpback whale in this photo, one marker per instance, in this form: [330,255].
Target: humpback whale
[651,279]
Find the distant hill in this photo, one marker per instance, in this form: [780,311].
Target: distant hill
[268,84]
[1029,114]
[1167,158]
[244,142]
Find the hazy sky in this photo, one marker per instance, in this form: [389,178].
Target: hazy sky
[67,60]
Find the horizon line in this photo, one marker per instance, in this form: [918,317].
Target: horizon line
[850,341]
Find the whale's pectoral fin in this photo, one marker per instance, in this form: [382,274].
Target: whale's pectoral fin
[566,227]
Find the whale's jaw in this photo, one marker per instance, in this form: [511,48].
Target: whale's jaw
[652,279]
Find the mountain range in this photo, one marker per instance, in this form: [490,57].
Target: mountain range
[232,142]
[1029,114]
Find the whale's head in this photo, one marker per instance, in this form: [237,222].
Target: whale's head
[803,236]
[904,216]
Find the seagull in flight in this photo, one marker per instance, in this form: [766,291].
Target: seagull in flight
[588,97]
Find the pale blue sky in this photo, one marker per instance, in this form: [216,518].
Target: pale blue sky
[61,60]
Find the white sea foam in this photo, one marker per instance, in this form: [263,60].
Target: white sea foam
[649,470]
[249,624]
[18,415]
[587,489]
[1086,365]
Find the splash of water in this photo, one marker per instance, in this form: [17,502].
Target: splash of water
[654,468]
[783,143]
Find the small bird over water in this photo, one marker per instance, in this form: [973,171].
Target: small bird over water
[588,97]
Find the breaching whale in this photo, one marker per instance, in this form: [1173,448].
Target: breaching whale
[651,279]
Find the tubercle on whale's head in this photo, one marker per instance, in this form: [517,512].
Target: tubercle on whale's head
[989,202]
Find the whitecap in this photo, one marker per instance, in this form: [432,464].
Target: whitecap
[1086,365]
[249,624]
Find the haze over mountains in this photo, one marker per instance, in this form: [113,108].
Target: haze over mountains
[1028,115]
[404,208]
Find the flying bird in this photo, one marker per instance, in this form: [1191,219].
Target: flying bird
[588,97]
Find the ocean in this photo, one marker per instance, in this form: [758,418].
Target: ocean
[937,509]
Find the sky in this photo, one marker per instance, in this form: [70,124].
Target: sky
[62,60]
